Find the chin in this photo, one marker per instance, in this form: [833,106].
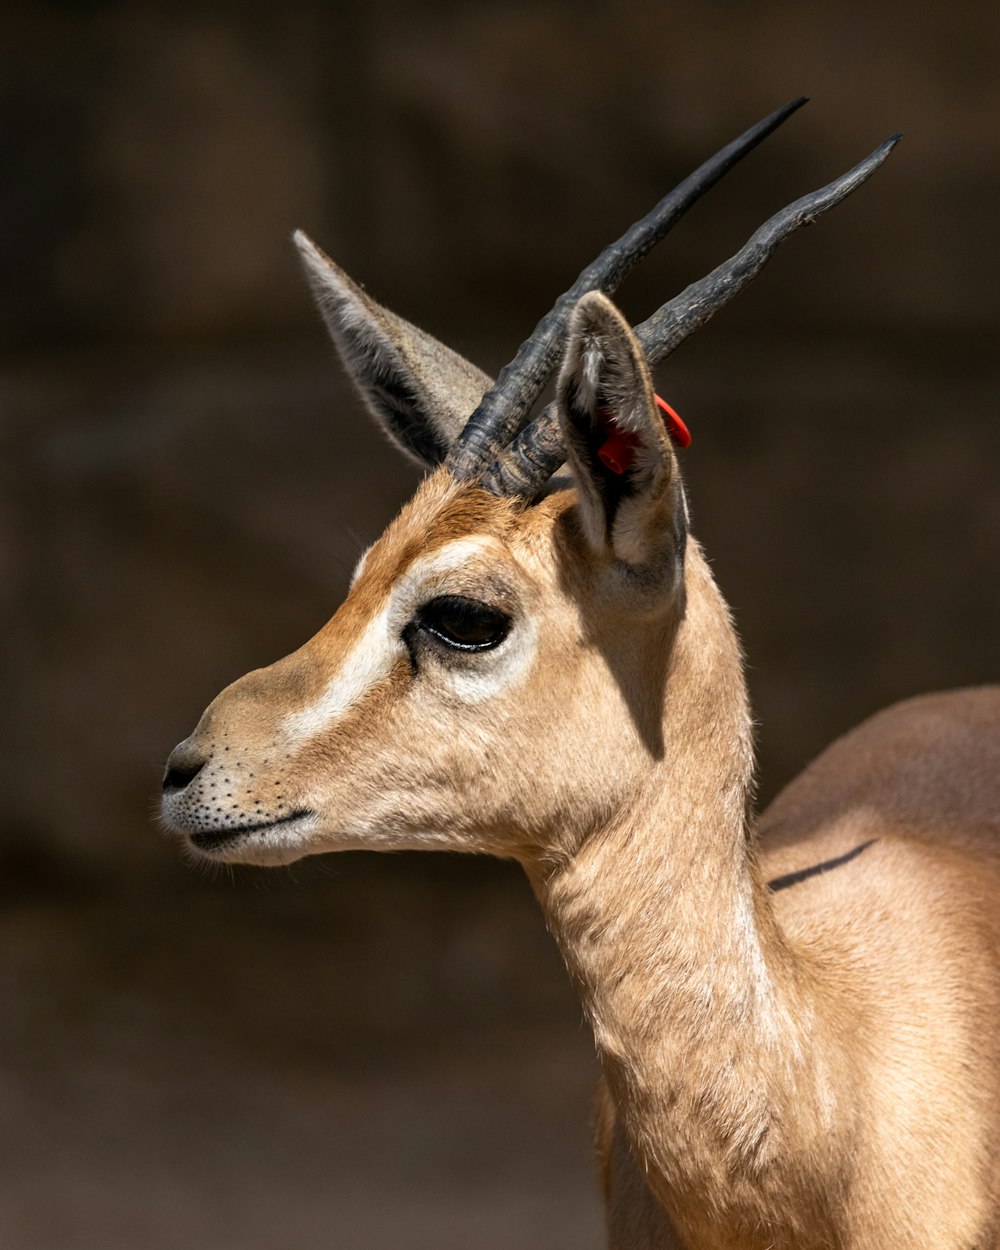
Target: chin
[266,845]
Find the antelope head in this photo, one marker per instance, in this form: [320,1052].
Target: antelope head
[504,670]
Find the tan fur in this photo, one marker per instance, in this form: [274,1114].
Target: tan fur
[811,1066]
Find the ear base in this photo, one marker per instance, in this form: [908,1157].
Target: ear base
[630,498]
[419,391]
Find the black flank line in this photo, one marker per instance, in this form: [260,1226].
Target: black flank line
[803,874]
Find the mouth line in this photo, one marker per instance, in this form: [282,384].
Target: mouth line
[215,839]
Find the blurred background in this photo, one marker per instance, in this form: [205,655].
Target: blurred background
[383,1052]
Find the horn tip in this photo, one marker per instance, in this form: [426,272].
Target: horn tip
[883,150]
[786,110]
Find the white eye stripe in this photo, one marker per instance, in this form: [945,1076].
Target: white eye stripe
[380,646]
[452,556]
[368,661]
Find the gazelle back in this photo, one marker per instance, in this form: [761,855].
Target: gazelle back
[798,1035]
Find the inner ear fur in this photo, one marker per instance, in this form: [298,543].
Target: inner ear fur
[605,389]
[420,391]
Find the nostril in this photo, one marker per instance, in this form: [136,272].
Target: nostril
[180,773]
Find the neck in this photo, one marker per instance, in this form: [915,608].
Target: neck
[700,1011]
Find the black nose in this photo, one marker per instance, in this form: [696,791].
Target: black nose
[182,768]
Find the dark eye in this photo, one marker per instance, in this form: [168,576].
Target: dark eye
[466,624]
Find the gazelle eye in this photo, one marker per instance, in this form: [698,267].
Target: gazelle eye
[466,624]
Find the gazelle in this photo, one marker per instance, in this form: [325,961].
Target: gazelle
[797,1020]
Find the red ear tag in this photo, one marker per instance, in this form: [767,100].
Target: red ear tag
[617,452]
[680,435]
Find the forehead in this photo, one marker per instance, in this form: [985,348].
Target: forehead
[444,516]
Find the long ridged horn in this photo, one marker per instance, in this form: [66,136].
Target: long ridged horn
[505,408]
[537,452]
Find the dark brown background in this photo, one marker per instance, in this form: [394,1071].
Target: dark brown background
[382,1052]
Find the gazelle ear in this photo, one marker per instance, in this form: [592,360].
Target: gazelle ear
[419,391]
[630,497]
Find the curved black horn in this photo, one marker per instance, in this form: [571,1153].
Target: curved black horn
[504,409]
[538,451]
